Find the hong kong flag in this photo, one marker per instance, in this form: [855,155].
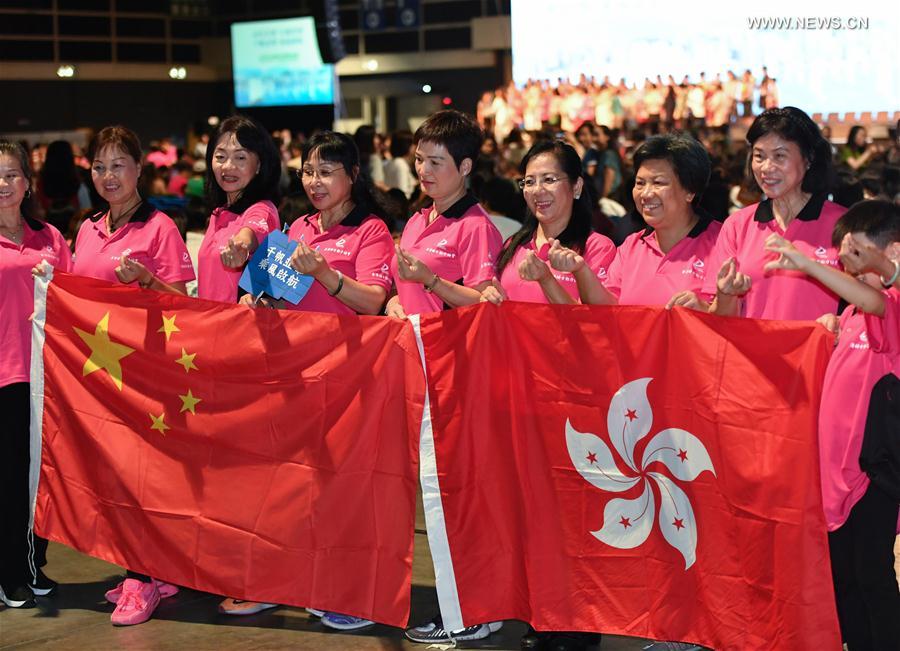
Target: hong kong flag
[256,454]
[627,470]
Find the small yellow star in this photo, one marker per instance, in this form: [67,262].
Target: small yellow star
[168,326]
[187,361]
[159,423]
[188,402]
[105,354]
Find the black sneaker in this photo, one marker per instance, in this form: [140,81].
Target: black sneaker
[44,586]
[433,632]
[20,597]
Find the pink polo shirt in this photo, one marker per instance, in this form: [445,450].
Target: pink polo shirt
[215,281]
[360,247]
[782,294]
[642,274]
[150,237]
[460,245]
[599,252]
[39,242]
[867,350]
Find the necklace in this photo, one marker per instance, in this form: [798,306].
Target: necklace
[15,234]
[113,224]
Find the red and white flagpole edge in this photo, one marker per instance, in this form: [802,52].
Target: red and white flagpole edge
[444,576]
[38,336]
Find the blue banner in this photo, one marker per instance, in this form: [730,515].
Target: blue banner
[269,271]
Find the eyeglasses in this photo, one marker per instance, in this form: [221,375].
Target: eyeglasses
[530,183]
[308,173]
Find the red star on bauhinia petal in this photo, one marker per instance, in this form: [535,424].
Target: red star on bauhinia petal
[631,414]
[625,522]
[591,457]
[678,524]
[682,454]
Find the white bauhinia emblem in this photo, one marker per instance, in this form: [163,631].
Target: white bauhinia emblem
[627,523]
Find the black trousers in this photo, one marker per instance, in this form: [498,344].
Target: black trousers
[20,551]
[862,566]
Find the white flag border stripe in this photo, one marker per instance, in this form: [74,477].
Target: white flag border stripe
[444,576]
[36,386]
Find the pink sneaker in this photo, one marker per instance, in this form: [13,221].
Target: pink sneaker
[136,603]
[165,590]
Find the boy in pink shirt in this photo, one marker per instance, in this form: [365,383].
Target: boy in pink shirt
[861,515]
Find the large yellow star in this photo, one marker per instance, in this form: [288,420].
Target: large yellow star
[159,423]
[168,326]
[187,361]
[105,354]
[188,402]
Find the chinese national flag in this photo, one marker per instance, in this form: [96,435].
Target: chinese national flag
[628,470]
[257,454]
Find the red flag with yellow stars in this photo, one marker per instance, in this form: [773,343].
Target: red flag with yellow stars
[257,454]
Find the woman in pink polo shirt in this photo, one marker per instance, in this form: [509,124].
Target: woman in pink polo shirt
[446,257]
[557,213]
[243,168]
[346,247]
[24,243]
[665,264]
[790,161]
[131,241]
[448,250]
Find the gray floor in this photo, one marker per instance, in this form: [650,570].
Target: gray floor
[77,618]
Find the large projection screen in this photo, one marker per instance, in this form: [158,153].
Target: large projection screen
[278,63]
[826,56]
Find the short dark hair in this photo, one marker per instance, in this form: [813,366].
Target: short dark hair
[687,157]
[580,225]
[878,219]
[793,124]
[251,136]
[115,136]
[457,131]
[339,148]
[17,151]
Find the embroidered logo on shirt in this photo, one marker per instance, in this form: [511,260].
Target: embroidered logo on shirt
[821,252]
[441,250]
[862,342]
[340,243]
[383,273]
[696,269]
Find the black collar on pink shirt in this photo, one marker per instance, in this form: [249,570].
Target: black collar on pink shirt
[462,206]
[705,219]
[141,215]
[34,224]
[810,212]
[354,218]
